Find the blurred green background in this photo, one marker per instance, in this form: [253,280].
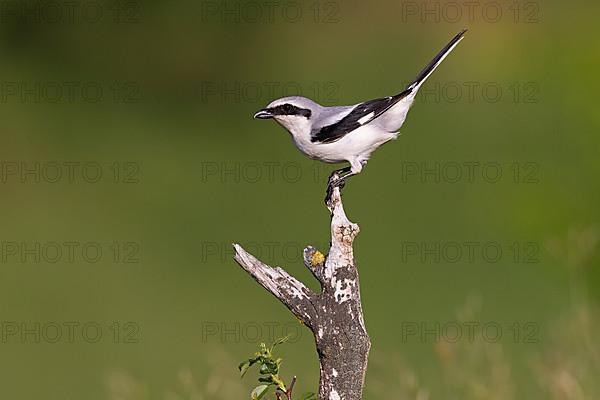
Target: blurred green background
[161,105]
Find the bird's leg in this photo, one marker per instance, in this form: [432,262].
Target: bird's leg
[342,174]
[339,176]
[336,179]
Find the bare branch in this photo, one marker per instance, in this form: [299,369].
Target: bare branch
[294,294]
[315,262]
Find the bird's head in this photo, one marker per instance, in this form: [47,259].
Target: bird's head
[293,113]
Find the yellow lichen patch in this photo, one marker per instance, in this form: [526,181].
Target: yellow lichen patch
[316,259]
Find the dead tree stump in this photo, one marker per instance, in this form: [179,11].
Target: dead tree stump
[335,315]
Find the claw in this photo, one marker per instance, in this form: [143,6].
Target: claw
[328,194]
[334,181]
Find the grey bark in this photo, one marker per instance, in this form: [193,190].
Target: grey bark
[334,315]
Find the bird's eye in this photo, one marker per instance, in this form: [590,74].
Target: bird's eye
[287,108]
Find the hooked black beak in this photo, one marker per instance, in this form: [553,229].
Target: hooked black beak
[265,113]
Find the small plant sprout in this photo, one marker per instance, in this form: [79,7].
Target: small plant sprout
[268,369]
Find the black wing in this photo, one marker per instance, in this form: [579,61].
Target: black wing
[359,116]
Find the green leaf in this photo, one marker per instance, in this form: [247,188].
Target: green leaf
[269,367]
[279,382]
[308,396]
[263,369]
[263,349]
[243,367]
[280,341]
[259,392]
[267,379]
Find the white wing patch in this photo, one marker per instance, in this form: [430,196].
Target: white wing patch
[366,118]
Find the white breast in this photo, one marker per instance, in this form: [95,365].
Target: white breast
[358,144]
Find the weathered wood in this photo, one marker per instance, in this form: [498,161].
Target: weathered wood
[335,315]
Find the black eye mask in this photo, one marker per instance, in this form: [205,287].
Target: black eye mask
[288,109]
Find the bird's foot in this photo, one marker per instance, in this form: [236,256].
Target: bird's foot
[335,180]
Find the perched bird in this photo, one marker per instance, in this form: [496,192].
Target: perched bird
[348,133]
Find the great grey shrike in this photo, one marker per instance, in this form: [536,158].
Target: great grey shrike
[348,133]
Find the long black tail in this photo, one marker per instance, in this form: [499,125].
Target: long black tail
[424,74]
